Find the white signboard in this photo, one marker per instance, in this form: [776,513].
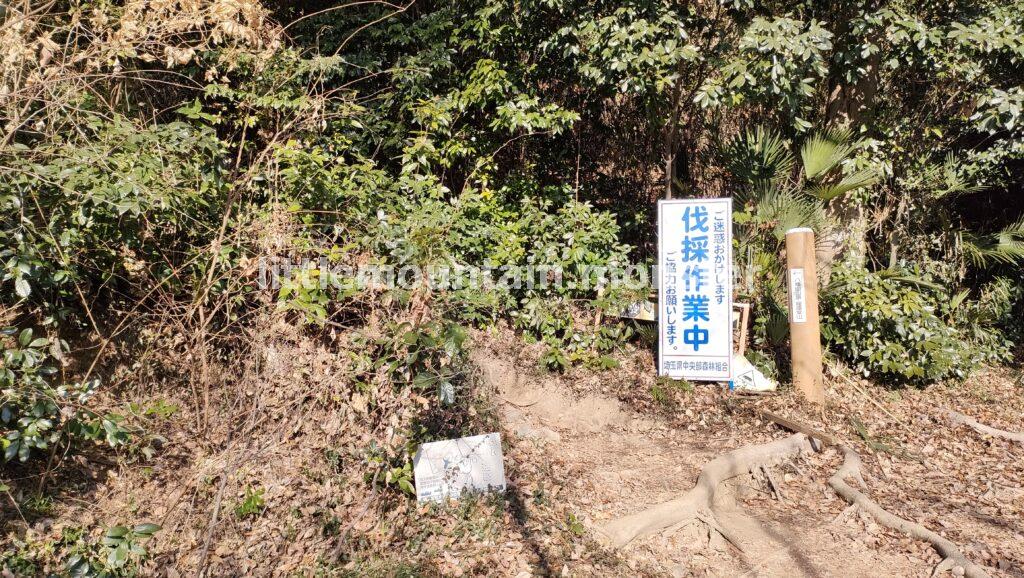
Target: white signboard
[447,468]
[695,289]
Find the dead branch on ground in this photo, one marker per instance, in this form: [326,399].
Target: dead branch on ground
[961,419]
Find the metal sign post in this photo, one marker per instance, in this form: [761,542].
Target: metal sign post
[804,327]
[695,289]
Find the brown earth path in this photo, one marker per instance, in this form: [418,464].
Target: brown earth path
[622,463]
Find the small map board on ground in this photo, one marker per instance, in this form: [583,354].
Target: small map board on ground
[640,310]
[447,468]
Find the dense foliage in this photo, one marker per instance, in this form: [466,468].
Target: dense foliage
[894,325]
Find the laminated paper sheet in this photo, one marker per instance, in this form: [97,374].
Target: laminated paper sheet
[447,468]
[695,289]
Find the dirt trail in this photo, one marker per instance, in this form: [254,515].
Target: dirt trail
[622,463]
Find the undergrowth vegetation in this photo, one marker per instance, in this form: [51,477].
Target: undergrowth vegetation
[155,156]
[896,325]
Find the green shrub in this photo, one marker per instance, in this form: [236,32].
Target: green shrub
[118,554]
[520,225]
[36,414]
[896,325]
[426,357]
[525,225]
[105,208]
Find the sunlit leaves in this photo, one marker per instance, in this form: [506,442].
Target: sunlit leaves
[635,48]
[758,155]
[778,61]
[891,324]
[853,181]
[1000,110]
[821,152]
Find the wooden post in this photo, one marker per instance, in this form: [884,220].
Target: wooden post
[804,326]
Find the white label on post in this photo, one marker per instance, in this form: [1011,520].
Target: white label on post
[797,296]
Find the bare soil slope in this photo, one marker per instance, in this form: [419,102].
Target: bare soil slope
[786,520]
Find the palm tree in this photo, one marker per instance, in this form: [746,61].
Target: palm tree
[774,193]
[779,195]
[1004,247]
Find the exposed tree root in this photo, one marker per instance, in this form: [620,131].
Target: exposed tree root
[952,557]
[959,418]
[696,504]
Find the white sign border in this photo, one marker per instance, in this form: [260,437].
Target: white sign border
[661,285]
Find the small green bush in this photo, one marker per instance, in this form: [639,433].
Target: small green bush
[105,209]
[252,504]
[895,325]
[36,414]
[119,553]
[526,225]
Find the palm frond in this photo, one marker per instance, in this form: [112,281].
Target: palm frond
[1005,247]
[756,193]
[902,276]
[1014,229]
[758,156]
[974,249]
[959,298]
[950,180]
[784,209]
[823,151]
[996,301]
[860,179]
[894,274]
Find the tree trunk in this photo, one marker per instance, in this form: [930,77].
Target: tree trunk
[846,242]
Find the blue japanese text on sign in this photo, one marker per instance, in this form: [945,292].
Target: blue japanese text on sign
[695,289]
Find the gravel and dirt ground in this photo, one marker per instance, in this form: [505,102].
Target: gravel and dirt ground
[581,449]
